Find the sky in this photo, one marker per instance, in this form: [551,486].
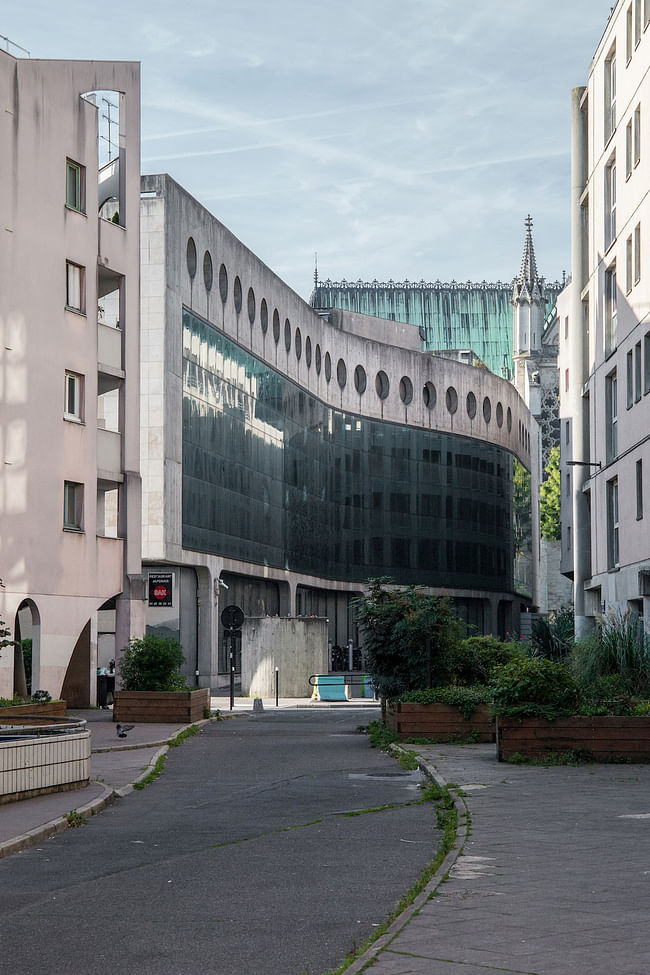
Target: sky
[397,140]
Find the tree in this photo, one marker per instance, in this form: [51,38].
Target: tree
[549,499]
[406,633]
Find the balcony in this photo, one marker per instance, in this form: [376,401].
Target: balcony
[109,347]
[109,454]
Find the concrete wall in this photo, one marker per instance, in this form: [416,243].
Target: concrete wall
[298,647]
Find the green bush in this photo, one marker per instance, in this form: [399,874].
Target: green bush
[617,648]
[406,633]
[466,699]
[152,664]
[533,686]
[554,637]
[472,660]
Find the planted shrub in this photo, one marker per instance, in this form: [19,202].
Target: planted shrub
[617,648]
[472,661]
[554,637]
[406,634]
[152,664]
[533,686]
[466,699]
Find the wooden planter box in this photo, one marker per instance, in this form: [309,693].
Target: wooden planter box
[15,714]
[604,737]
[161,707]
[440,721]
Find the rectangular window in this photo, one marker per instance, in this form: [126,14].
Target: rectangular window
[628,34]
[628,265]
[646,13]
[637,372]
[73,495]
[628,149]
[566,327]
[637,135]
[639,490]
[637,253]
[568,484]
[73,396]
[610,202]
[566,380]
[611,416]
[611,326]
[74,286]
[566,432]
[646,362]
[612,524]
[610,94]
[630,379]
[637,21]
[73,185]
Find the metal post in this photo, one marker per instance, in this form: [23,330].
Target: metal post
[277,687]
[232,672]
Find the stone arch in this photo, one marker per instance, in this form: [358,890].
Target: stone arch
[27,626]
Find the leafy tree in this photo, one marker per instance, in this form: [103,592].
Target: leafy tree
[406,634]
[549,499]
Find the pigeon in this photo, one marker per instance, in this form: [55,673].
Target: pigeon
[122,729]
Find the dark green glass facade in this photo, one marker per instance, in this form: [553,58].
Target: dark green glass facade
[273,476]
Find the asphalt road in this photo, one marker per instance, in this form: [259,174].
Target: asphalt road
[241,858]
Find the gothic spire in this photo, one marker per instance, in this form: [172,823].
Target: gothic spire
[528,284]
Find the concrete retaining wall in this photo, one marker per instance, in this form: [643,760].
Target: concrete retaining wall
[297,647]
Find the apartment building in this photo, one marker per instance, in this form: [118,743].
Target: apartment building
[70,511]
[605,329]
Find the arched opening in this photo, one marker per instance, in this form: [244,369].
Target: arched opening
[76,684]
[27,633]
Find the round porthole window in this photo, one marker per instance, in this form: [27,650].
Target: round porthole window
[471,405]
[360,380]
[429,395]
[308,351]
[451,399]
[297,344]
[223,284]
[382,385]
[276,326]
[341,373]
[487,409]
[499,415]
[264,316]
[317,359]
[208,274]
[287,334]
[405,390]
[251,305]
[191,257]
[509,420]
[328,367]
[237,295]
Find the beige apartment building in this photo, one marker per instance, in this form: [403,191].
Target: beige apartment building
[70,511]
[605,329]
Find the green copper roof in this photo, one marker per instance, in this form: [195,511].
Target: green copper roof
[476,316]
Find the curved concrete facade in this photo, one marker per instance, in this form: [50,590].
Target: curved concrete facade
[403,387]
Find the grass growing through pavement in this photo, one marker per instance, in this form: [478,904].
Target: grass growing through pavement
[151,776]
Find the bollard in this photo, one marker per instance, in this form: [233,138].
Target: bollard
[277,687]
[258,705]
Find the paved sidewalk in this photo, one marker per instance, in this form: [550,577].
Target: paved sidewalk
[553,878]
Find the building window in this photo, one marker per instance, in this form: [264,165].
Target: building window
[568,538]
[566,432]
[612,524]
[73,496]
[610,202]
[637,253]
[646,362]
[630,379]
[637,21]
[75,186]
[628,149]
[74,286]
[566,327]
[637,135]
[611,416]
[73,396]
[639,490]
[610,94]
[566,380]
[610,310]
[568,484]
[646,13]
[628,34]
[637,372]
[628,265]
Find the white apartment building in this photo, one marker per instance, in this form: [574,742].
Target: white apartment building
[605,329]
[70,508]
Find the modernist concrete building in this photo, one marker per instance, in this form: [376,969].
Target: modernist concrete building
[69,303]
[605,329]
[290,458]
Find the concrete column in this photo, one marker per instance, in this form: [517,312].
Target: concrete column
[578,363]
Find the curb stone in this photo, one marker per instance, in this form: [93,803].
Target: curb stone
[371,953]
